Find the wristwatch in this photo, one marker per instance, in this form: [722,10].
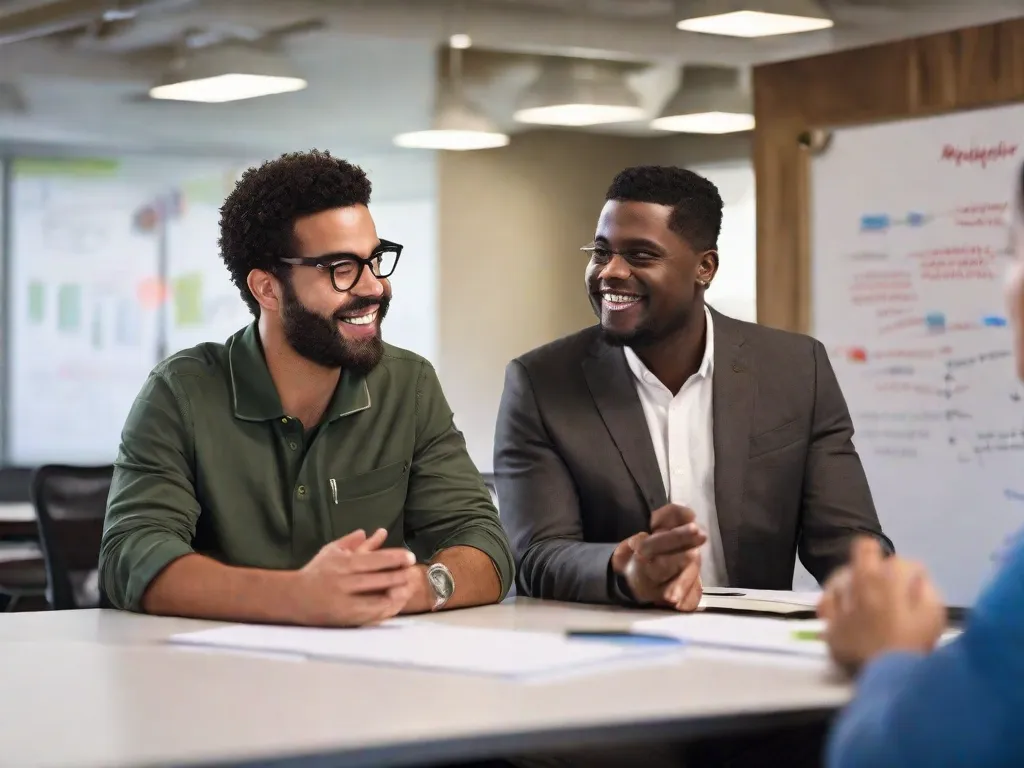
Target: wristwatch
[442,583]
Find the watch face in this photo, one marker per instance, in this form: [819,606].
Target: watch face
[441,581]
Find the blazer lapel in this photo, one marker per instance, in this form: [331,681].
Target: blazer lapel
[611,385]
[732,406]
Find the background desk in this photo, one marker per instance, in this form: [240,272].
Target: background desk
[17,519]
[99,688]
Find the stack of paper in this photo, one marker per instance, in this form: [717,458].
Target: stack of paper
[765,601]
[428,645]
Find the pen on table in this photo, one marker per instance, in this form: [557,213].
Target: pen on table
[620,635]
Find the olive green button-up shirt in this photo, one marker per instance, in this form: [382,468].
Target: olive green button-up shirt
[210,463]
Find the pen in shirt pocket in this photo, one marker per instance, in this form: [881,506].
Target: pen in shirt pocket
[334,490]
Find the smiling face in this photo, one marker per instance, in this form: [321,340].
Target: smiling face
[643,277]
[333,329]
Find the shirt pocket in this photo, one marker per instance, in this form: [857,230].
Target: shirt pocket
[371,500]
[777,438]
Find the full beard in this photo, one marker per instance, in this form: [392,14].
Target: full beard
[318,339]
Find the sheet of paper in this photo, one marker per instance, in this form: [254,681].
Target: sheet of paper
[797,636]
[801,637]
[429,646]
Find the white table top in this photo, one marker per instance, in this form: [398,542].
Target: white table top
[17,513]
[99,688]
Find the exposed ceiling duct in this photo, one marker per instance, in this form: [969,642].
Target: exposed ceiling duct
[59,16]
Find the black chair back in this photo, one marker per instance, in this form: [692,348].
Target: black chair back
[70,504]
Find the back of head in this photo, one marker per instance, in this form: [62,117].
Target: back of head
[257,218]
[695,201]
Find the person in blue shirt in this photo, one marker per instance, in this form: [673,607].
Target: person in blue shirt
[961,704]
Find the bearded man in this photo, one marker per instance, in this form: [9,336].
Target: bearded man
[303,472]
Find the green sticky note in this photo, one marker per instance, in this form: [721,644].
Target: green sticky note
[69,307]
[808,634]
[188,300]
[36,302]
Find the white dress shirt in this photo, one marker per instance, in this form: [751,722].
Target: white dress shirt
[681,430]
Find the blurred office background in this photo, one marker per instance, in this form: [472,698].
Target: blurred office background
[113,172]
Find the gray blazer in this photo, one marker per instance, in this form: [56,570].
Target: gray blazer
[576,472]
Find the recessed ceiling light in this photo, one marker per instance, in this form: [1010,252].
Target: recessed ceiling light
[754,18]
[227,73]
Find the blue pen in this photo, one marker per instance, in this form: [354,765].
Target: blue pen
[622,636]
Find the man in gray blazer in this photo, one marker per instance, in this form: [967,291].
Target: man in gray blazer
[672,448]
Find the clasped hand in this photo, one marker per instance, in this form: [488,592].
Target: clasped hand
[353,581]
[663,567]
[877,604]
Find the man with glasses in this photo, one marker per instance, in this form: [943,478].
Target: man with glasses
[303,472]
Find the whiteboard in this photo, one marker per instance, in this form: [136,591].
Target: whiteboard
[203,303]
[83,261]
[910,243]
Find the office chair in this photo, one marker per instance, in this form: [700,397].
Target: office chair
[70,504]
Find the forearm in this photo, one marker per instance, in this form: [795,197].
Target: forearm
[570,571]
[475,575]
[198,587]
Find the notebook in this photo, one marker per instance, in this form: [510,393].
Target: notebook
[782,604]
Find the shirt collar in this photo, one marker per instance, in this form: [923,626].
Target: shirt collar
[255,396]
[707,363]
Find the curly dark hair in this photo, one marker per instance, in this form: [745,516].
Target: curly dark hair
[696,204]
[258,217]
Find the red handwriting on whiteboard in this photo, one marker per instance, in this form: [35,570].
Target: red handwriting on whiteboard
[978,155]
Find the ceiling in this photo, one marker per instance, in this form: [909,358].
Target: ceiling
[371,65]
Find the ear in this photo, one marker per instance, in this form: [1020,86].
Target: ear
[266,289]
[707,268]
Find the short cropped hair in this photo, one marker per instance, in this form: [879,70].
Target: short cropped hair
[695,201]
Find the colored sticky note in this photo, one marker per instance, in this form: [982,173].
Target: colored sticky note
[874,222]
[808,634]
[857,355]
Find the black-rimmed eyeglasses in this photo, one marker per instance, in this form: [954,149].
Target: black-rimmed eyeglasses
[346,268]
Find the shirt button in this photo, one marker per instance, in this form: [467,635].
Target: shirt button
[301,491]
[292,444]
[284,420]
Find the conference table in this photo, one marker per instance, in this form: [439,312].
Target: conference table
[101,688]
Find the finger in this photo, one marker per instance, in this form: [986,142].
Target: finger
[671,516]
[351,541]
[662,569]
[826,606]
[620,557]
[378,560]
[374,609]
[376,541]
[866,551]
[689,536]
[636,540]
[679,589]
[871,583]
[690,600]
[377,581]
